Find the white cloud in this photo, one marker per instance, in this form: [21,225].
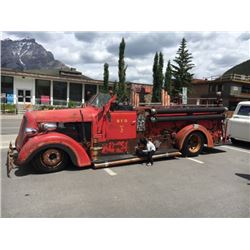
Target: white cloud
[213,52]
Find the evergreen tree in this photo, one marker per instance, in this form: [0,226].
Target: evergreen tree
[181,71]
[160,72]
[155,79]
[105,87]
[122,87]
[168,79]
[158,77]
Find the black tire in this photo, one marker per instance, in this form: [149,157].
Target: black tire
[193,144]
[50,160]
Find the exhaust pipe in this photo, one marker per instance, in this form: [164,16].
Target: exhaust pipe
[134,160]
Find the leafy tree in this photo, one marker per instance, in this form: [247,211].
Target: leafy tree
[181,71]
[168,84]
[122,87]
[105,87]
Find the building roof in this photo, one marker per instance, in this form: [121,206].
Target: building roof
[52,74]
[240,69]
[199,81]
[63,74]
[224,79]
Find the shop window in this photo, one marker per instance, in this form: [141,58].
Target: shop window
[42,91]
[90,90]
[245,89]
[6,89]
[75,92]
[59,93]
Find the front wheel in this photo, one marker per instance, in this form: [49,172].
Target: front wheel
[193,144]
[50,160]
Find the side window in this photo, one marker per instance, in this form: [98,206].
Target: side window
[244,110]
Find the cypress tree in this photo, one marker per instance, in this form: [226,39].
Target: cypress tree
[105,87]
[122,88]
[160,73]
[168,79]
[181,71]
[115,87]
[158,77]
[155,79]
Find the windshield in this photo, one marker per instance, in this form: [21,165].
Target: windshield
[99,100]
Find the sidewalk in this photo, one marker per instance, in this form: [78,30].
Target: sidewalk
[9,117]
[5,140]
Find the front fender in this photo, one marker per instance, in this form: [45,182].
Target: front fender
[184,132]
[37,143]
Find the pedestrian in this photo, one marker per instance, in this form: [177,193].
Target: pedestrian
[148,151]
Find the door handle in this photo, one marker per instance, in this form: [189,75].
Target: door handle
[133,123]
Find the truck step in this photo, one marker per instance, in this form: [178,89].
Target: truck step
[134,160]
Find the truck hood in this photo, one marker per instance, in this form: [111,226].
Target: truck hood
[65,115]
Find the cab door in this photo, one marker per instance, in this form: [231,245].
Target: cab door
[120,133]
[121,125]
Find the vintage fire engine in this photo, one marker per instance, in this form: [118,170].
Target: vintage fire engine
[104,133]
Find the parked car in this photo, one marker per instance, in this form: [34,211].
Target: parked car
[239,124]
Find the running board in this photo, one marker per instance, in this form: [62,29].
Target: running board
[134,160]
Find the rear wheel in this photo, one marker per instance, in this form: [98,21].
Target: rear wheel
[50,160]
[193,144]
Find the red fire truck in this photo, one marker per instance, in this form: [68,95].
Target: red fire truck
[104,133]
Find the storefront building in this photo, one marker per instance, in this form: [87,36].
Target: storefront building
[57,87]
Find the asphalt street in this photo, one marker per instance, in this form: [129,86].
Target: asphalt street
[10,125]
[215,184]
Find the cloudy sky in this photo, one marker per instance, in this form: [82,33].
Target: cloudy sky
[213,52]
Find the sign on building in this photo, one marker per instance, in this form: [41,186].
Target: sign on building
[184,95]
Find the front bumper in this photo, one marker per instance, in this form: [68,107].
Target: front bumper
[11,157]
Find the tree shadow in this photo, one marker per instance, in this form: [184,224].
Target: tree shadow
[241,144]
[245,176]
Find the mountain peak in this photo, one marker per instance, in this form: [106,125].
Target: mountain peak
[28,39]
[27,54]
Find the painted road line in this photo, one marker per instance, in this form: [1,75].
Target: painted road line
[191,159]
[109,171]
[236,149]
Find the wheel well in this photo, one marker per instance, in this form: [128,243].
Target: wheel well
[66,150]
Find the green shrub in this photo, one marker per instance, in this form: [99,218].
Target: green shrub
[8,108]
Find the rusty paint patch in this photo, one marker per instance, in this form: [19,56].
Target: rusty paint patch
[115,147]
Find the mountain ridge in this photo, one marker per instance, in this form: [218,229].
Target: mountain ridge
[25,54]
